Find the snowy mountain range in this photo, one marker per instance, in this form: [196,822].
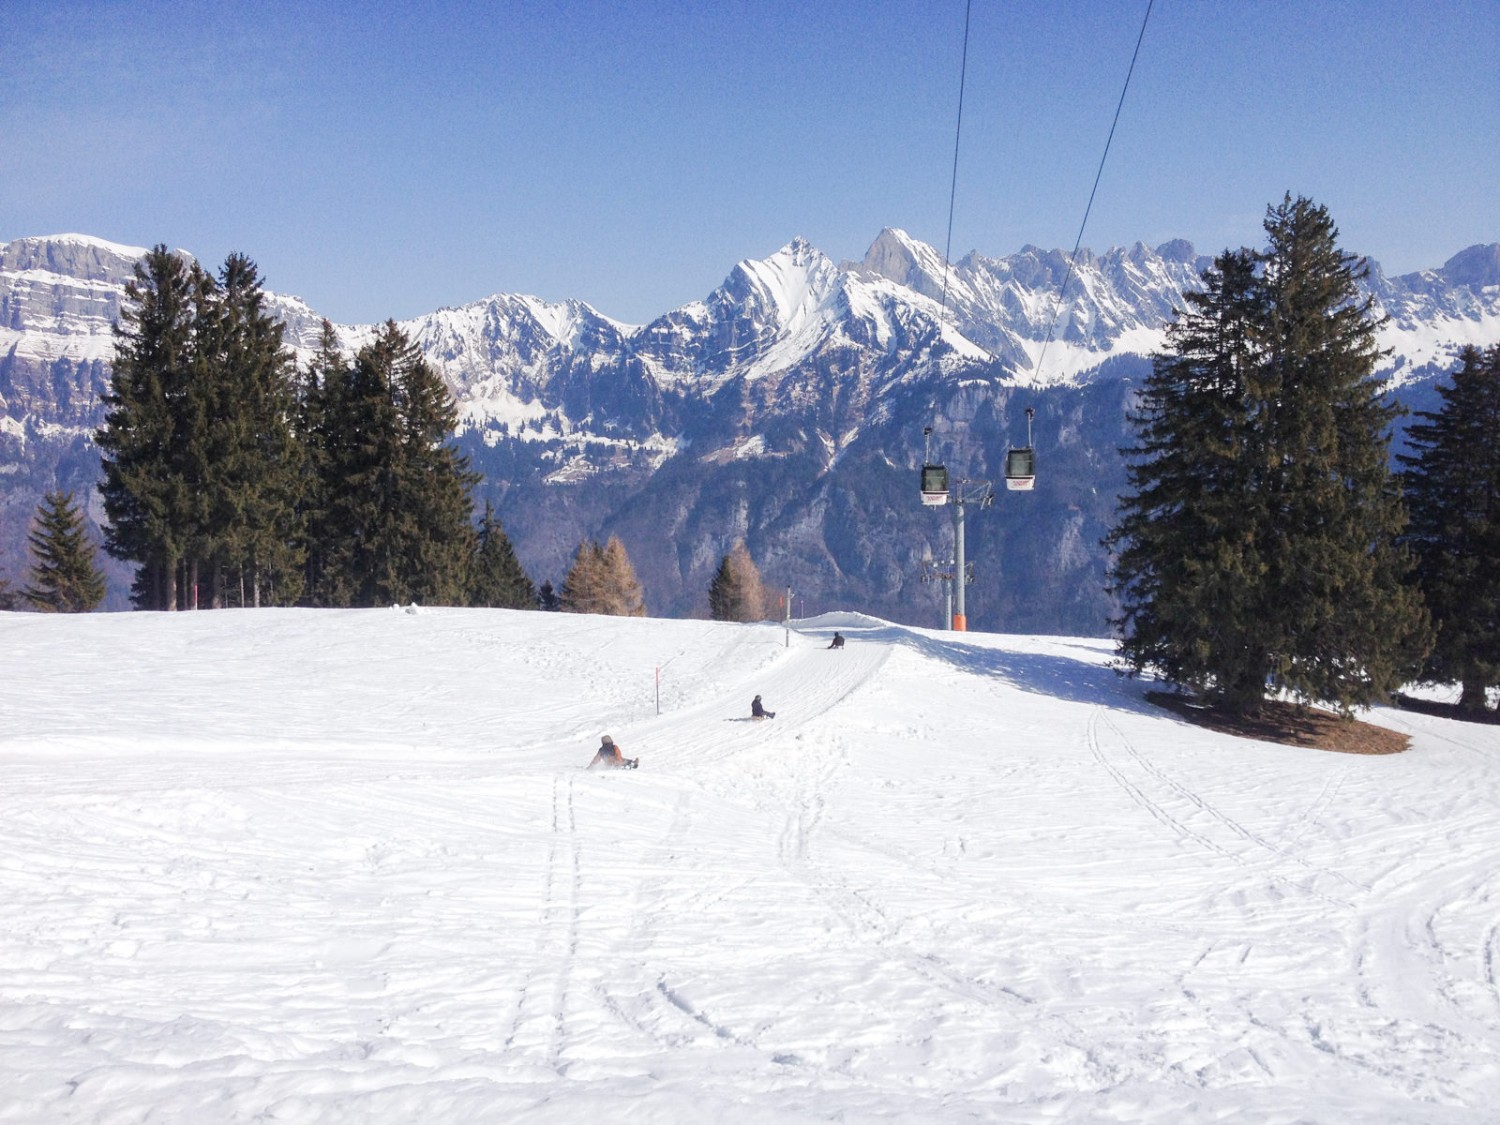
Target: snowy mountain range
[785,408]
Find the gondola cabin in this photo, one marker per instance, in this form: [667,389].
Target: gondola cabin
[934,484]
[1020,469]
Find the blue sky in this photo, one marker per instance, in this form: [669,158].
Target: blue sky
[385,159]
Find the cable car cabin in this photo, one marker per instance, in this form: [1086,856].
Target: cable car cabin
[1020,469]
[934,484]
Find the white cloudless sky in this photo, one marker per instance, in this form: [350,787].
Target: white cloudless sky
[383,159]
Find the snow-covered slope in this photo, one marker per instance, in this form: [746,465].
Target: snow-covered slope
[339,866]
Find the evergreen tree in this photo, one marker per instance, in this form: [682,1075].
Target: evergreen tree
[200,462]
[547,599]
[320,421]
[736,592]
[391,514]
[145,485]
[1257,549]
[1188,564]
[1452,484]
[7,595]
[64,577]
[255,514]
[496,578]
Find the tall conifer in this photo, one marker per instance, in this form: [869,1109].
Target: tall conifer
[1452,484]
[1257,549]
[144,486]
[391,522]
[496,577]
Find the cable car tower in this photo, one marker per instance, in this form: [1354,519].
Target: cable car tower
[939,488]
[1020,461]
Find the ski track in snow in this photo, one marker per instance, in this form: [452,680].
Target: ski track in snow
[303,866]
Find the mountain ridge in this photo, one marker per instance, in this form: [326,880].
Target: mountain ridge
[753,412]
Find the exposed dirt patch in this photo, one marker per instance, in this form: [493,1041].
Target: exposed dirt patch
[1292,724]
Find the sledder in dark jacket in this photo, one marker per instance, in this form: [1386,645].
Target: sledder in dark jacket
[759,712]
[610,758]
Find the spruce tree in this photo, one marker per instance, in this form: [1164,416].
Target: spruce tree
[1452,484]
[8,596]
[145,485]
[321,426]
[64,577]
[496,577]
[547,598]
[736,592]
[256,518]
[391,514]
[1258,548]
[1187,562]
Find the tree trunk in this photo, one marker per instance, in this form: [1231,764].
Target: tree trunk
[1474,698]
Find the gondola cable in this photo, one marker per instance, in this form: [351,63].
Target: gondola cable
[1073,258]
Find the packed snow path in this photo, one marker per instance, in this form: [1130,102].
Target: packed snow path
[347,866]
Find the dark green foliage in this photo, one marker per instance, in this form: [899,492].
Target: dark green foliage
[388,512]
[145,485]
[200,464]
[257,460]
[64,578]
[1452,484]
[547,599]
[1257,549]
[496,578]
[8,596]
[736,592]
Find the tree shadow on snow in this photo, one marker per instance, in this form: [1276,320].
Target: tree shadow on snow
[1079,680]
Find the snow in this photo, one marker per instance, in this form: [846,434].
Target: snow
[346,866]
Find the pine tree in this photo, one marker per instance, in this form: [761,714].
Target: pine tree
[1452,484]
[391,518]
[8,596]
[256,516]
[736,592]
[496,577]
[320,419]
[547,599]
[1188,561]
[1257,549]
[145,486]
[64,578]
[200,462]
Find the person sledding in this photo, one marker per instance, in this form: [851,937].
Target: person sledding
[837,642]
[610,758]
[758,711]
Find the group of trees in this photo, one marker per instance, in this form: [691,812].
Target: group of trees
[1264,546]
[231,477]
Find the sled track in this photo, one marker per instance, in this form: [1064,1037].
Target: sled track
[1175,792]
